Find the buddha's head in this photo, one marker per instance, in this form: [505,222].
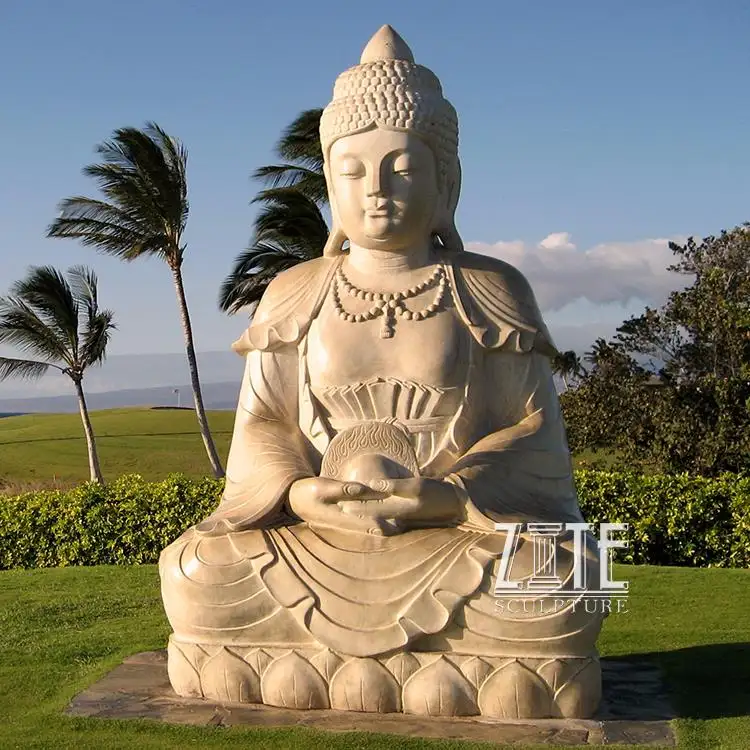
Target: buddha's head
[390,148]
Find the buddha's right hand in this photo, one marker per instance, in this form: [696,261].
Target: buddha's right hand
[316,500]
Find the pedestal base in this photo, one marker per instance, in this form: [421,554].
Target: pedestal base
[421,683]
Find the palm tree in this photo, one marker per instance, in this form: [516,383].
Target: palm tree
[299,147]
[602,353]
[56,320]
[143,178]
[567,364]
[290,227]
[612,358]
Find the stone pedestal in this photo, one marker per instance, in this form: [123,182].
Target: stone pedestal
[420,683]
[634,711]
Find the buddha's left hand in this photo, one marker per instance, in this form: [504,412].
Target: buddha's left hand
[418,499]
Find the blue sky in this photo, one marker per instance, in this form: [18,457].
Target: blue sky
[603,127]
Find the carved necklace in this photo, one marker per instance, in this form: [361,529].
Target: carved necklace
[389,304]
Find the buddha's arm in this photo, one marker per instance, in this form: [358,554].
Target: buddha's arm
[268,451]
[521,469]
[271,478]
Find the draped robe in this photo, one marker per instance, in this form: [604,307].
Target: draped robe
[284,581]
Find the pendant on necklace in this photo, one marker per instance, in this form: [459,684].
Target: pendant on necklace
[389,324]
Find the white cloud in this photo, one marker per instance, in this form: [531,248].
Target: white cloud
[612,272]
[557,241]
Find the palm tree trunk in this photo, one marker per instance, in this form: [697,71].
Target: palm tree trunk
[94,468]
[195,382]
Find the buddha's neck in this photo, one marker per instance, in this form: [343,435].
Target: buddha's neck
[389,263]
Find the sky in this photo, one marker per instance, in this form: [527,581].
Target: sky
[592,133]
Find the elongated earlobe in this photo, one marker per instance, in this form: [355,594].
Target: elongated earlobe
[336,238]
[335,244]
[445,225]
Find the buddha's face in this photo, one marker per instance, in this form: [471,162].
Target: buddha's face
[385,188]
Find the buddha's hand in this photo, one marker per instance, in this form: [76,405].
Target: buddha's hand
[411,501]
[321,500]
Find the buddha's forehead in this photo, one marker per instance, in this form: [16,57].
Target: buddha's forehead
[379,143]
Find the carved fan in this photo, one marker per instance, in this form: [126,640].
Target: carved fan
[370,451]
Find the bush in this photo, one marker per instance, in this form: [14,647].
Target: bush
[674,520]
[128,521]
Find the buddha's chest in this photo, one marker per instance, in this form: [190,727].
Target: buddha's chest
[433,350]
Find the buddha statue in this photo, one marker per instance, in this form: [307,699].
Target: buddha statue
[397,403]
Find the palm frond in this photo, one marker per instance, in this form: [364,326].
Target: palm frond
[292,219]
[146,165]
[97,332]
[289,228]
[300,141]
[307,181]
[97,324]
[176,157]
[21,327]
[46,291]
[43,315]
[250,276]
[127,188]
[110,229]
[300,147]
[263,255]
[84,285]
[142,176]
[26,369]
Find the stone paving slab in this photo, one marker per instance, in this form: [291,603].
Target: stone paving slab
[634,711]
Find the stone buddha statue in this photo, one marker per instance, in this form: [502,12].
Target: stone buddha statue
[397,403]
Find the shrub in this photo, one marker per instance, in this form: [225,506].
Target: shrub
[674,520]
[128,521]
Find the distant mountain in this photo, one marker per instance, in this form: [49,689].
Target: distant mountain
[217,397]
[123,372]
[150,379]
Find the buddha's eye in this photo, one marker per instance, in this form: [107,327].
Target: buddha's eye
[403,165]
[352,168]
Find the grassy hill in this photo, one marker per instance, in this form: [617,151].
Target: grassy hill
[49,449]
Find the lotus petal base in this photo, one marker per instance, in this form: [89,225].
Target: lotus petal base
[423,683]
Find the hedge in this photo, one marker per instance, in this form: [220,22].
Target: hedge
[125,522]
[677,519]
[674,520]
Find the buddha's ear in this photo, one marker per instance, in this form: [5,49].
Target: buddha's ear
[336,237]
[446,221]
[335,244]
[450,239]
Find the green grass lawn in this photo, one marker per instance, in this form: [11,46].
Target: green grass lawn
[49,449]
[61,629]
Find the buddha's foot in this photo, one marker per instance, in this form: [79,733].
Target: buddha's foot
[426,683]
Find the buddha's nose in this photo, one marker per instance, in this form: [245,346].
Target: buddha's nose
[374,183]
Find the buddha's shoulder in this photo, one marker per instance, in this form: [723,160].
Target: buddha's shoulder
[498,273]
[499,303]
[288,306]
[292,288]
